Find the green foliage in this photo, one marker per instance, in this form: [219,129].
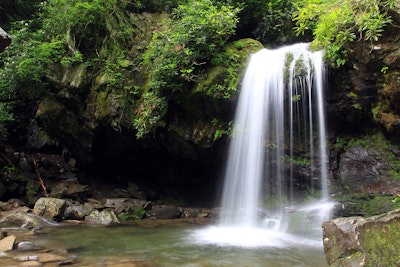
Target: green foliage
[223,79]
[149,112]
[176,56]
[269,21]
[335,23]
[197,33]
[219,133]
[297,160]
[135,213]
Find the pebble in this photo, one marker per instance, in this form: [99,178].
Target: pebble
[26,258]
[31,264]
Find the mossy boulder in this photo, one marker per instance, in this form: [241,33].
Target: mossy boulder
[222,79]
[358,241]
[204,115]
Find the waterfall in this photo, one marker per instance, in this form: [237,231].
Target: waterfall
[280,111]
[279,125]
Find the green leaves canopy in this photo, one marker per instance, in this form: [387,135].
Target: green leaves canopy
[334,23]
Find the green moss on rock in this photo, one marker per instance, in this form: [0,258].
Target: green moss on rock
[222,80]
[381,243]
[364,204]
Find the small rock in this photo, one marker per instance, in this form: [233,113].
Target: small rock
[78,212]
[7,243]
[31,264]
[67,262]
[105,217]
[25,245]
[49,257]
[26,258]
[3,255]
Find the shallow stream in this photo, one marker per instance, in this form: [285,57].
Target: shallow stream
[174,244]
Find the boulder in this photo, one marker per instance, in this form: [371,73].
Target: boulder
[104,217]
[78,211]
[51,208]
[5,40]
[358,241]
[24,220]
[164,212]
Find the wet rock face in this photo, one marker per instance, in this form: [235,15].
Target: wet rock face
[360,167]
[356,241]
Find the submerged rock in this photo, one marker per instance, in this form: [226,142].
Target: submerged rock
[358,241]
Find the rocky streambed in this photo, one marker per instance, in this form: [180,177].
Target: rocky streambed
[27,235]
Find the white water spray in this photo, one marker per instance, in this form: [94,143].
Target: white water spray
[280,112]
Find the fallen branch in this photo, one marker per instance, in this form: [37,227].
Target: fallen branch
[40,178]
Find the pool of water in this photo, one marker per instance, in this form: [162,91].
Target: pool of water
[180,244]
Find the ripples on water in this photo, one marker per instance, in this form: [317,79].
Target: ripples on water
[189,246]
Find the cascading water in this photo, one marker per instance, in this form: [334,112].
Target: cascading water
[280,114]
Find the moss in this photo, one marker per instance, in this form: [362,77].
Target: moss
[135,213]
[381,243]
[221,81]
[386,110]
[366,204]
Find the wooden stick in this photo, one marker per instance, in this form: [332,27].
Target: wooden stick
[40,178]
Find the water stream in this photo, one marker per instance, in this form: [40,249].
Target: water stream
[280,115]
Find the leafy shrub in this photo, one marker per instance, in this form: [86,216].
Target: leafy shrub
[176,56]
[335,23]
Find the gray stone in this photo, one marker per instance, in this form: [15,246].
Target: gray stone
[24,220]
[78,212]
[105,217]
[164,212]
[25,245]
[51,208]
[360,167]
